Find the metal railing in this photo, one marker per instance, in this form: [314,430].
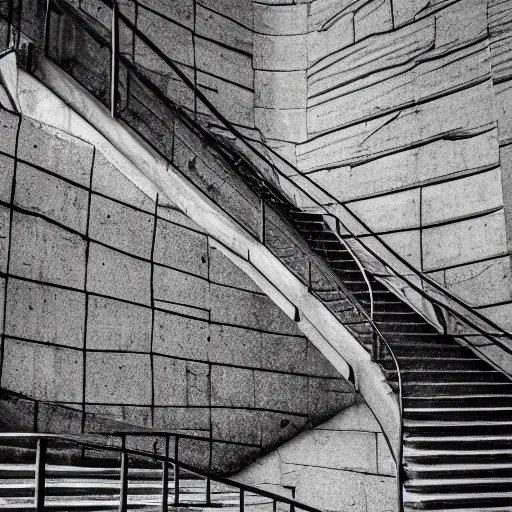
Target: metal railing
[44,441]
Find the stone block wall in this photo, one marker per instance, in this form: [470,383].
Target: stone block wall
[210,40]
[313,469]
[118,312]
[401,112]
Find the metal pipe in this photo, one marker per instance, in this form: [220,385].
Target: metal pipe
[165,478]
[40,474]
[114,59]
[123,483]
[176,473]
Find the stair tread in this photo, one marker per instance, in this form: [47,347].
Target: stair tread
[436,482]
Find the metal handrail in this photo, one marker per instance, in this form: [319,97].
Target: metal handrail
[41,455]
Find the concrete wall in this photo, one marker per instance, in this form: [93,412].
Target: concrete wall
[401,111]
[210,40]
[343,464]
[119,307]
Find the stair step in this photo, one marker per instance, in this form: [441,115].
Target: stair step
[466,470]
[449,485]
[417,501]
[445,376]
[420,388]
[458,400]
[433,363]
[433,350]
[459,441]
[426,426]
[477,413]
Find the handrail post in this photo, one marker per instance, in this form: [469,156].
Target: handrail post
[40,475]
[310,285]
[242,499]
[114,59]
[176,473]
[47,18]
[375,346]
[208,491]
[165,477]
[123,482]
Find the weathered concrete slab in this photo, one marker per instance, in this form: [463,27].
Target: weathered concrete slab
[173,241]
[228,64]
[118,378]
[406,10]
[180,336]
[222,29]
[280,391]
[284,90]
[179,288]
[121,226]
[287,125]
[430,162]
[232,387]
[46,252]
[9,123]
[61,381]
[109,181]
[233,102]
[118,275]
[465,241]
[170,381]
[63,154]
[465,196]
[373,17]
[115,325]
[504,109]
[44,194]
[45,314]
[5,218]
[465,113]
[6,174]
[240,11]
[237,307]
[182,11]
[280,20]
[335,37]
[370,56]
[280,53]
[481,283]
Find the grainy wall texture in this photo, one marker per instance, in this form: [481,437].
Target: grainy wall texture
[118,307]
[401,111]
[312,467]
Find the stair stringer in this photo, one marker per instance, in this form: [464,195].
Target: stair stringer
[64,105]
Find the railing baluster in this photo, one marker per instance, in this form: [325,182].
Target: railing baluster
[375,346]
[165,478]
[310,284]
[242,500]
[40,475]
[47,17]
[123,484]
[114,59]
[176,473]
[208,491]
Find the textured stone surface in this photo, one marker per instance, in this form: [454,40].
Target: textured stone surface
[280,90]
[275,20]
[170,253]
[280,53]
[373,18]
[64,155]
[464,241]
[44,313]
[42,372]
[6,174]
[54,198]
[45,252]
[288,124]
[121,227]
[118,378]
[9,124]
[115,325]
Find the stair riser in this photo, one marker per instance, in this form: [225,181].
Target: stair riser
[454,389]
[459,445]
[451,415]
[459,488]
[429,364]
[453,377]
[458,402]
[446,505]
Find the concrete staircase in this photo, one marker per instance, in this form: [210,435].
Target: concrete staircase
[457,408]
[97,488]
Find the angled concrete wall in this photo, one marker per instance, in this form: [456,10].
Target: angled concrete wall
[314,470]
[118,307]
